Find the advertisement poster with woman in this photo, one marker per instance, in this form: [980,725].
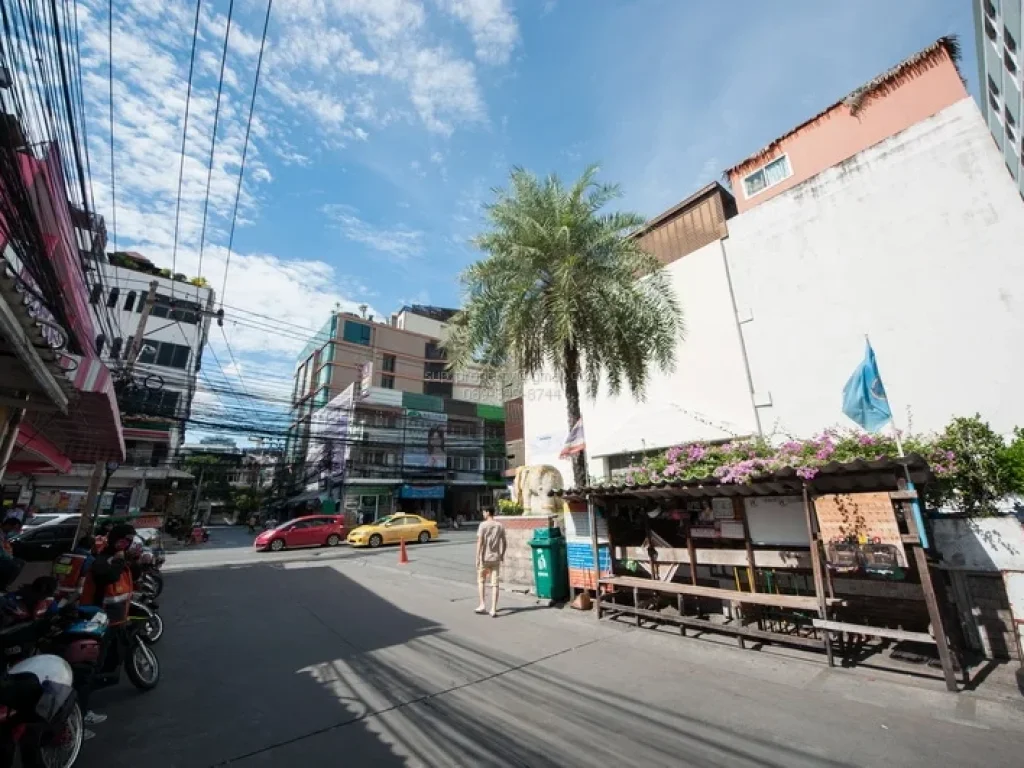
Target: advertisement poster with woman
[425,436]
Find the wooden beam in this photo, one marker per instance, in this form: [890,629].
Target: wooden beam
[794,602]
[864,629]
[728,629]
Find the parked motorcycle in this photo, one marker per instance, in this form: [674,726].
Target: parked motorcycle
[39,714]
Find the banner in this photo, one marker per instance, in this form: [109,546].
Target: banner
[425,437]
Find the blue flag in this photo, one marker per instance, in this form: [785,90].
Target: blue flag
[864,398]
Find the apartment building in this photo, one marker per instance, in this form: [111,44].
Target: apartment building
[888,213]
[379,424]
[999,34]
[154,408]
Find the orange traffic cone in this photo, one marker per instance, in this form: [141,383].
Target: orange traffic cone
[403,556]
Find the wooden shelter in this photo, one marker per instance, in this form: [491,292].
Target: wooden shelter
[823,563]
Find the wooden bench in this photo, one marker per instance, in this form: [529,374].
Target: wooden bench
[795,602]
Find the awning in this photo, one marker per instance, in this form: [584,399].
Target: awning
[33,452]
[91,430]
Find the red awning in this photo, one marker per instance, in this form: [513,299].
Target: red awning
[33,452]
[91,431]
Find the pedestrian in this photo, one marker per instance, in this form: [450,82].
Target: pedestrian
[252,523]
[10,527]
[490,553]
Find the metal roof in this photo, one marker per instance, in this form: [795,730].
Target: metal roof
[834,477]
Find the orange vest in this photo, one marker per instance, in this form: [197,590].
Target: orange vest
[116,599]
[67,570]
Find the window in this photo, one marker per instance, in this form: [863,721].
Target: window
[96,295]
[112,298]
[388,363]
[990,31]
[129,302]
[1009,42]
[992,87]
[1008,62]
[1008,115]
[356,333]
[387,381]
[438,388]
[494,431]
[463,463]
[990,9]
[994,103]
[115,348]
[773,173]
[494,464]
[164,353]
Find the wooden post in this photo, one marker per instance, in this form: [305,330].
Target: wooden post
[636,603]
[692,550]
[592,521]
[934,610]
[816,566]
[9,428]
[739,509]
[679,603]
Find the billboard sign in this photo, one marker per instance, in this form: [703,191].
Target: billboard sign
[425,439]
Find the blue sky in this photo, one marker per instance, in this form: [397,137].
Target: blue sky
[381,125]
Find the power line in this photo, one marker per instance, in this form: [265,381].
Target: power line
[184,136]
[245,149]
[213,140]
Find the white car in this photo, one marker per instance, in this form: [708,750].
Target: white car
[51,518]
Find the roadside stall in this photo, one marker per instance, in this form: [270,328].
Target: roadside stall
[835,562]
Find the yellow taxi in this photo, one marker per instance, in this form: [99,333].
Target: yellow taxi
[393,529]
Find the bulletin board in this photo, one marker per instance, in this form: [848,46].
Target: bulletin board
[777,521]
[864,520]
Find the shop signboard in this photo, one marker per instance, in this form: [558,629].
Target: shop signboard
[421,492]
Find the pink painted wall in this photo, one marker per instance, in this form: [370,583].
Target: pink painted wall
[837,135]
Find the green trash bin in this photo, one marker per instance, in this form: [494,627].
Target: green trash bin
[550,568]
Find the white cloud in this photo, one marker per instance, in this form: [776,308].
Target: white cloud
[399,243]
[492,25]
[437,158]
[444,90]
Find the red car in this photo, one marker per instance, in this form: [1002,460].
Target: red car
[311,531]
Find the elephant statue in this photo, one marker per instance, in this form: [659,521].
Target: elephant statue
[532,487]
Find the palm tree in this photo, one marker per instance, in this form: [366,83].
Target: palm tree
[564,288]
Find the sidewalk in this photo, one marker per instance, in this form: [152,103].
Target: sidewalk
[579,692]
[993,681]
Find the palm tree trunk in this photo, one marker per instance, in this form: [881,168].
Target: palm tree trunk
[572,407]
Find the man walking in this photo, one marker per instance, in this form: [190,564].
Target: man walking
[490,552]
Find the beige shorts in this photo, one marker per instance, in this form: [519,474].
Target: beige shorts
[488,569]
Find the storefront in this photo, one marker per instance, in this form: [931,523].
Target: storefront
[368,503]
[425,500]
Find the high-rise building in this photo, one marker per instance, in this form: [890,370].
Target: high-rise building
[379,423]
[999,34]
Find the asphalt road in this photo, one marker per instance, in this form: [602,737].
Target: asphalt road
[347,659]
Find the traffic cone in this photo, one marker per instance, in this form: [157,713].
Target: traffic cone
[403,556]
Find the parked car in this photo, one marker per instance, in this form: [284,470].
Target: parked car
[311,531]
[51,518]
[44,542]
[392,529]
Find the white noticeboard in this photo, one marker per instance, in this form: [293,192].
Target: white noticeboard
[778,520]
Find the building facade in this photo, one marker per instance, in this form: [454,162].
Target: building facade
[379,424]
[889,214]
[999,34]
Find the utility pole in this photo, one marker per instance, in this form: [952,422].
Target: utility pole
[199,493]
[135,348]
[93,497]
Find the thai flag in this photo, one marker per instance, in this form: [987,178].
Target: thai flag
[575,442]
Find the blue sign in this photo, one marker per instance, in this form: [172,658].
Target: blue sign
[421,492]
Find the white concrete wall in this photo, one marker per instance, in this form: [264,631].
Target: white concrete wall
[409,321]
[706,397]
[917,242]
